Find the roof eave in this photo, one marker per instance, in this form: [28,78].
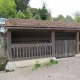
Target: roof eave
[41,28]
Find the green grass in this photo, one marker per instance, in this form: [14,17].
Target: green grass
[50,63]
[37,65]
[5,46]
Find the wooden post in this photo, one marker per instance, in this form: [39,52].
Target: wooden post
[77,41]
[9,45]
[53,43]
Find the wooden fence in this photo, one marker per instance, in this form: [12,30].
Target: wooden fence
[65,48]
[31,51]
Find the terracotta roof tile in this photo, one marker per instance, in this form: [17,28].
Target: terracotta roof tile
[12,22]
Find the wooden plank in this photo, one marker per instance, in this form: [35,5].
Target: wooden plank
[17,52]
[60,48]
[40,50]
[47,54]
[26,52]
[50,50]
[77,41]
[32,50]
[29,51]
[23,51]
[53,43]
[43,54]
[74,47]
[45,50]
[65,48]
[20,52]
[14,54]
[36,50]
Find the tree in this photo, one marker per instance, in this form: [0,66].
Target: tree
[28,13]
[77,17]
[44,13]
[20,15]
[7,8]
[37,17]
[34,11]
[69,18]
[21,4]
[60,18]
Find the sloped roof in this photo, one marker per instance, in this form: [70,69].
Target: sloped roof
[29,23]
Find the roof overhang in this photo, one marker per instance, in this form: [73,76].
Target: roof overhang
[42,28]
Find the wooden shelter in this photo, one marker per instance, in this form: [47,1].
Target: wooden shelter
[33,39]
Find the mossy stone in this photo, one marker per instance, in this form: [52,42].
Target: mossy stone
[3,62]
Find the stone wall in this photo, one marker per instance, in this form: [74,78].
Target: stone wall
[2,42]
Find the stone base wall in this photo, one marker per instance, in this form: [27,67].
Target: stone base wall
[2,42]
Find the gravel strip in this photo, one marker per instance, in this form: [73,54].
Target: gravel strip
[67,69]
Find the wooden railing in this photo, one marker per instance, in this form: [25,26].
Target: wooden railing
[31,51]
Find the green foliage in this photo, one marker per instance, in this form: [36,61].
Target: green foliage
[51,62]
[28,13]
[5,46]
[34,11]
[77,18]
[21,4]
[44,13]
[69,18]
[37,17]
[20,15]
[60,18]
[20,9]
[7,8]
[37,65]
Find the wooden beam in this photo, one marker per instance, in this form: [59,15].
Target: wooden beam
[77,42]
[53,43]
[9,45]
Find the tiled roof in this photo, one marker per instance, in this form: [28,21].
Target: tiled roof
[12,22]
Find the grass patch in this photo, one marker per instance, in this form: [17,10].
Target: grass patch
[37,65]
[50,63]
[5,46]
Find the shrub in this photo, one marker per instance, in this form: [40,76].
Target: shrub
[37,65]
[5,46]
[51,62]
